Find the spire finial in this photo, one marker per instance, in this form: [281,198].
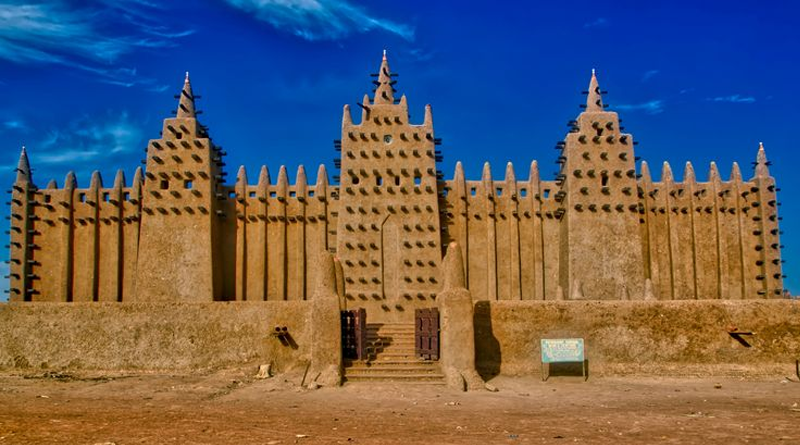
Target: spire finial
[186,102]
[23,167]
[384,93]
[762,165]
[594,99]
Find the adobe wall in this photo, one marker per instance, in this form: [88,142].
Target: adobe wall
[151,336]
[662,338]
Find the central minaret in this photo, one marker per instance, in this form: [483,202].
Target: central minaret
[388,232]
[601,243]
[179,228]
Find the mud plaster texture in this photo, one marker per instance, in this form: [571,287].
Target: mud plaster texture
[172,337]
[667,338]
[630,337]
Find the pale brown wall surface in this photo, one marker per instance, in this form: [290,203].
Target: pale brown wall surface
[635,336]
[151,336]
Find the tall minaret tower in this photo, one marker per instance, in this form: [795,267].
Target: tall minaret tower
[179,227]
[388,236]
[601,244]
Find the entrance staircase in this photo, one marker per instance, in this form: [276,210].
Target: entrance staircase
[391,358]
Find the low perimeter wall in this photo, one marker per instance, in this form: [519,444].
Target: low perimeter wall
[665,337]
[152,336]
[675,337]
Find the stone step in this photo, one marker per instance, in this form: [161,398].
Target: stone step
[394,336]
[393,330]
[405,378]
[384,361]
[391,351]
[392,357]
[362,381]
[388,361]
[392,369]
[405,343]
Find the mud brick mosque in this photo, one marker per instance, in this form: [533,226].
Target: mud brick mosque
[598,231]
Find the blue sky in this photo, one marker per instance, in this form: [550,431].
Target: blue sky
[84,85]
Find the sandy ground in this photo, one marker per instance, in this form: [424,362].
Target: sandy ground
[230,407]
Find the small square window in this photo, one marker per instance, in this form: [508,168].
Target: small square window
[354,179]
[187,184]
[126,196]
[47,199]
[546,193]
[178,135]
[232,194]
[82,197]
[106,197]
[378,180]
[523,192]
[273,194]
[164,184]
[292,194]
[311,193]
[252,194]
[473,191]
[499,191]
[417,180]
[396,180]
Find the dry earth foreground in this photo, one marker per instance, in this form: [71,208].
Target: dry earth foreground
[231,406]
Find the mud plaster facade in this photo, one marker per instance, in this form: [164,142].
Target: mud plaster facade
[599,231]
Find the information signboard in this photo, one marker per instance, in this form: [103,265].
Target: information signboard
[562,350]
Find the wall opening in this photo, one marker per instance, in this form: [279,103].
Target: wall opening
[417,180]
[187,184]
[164,184]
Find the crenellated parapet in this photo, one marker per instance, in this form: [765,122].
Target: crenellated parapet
[80,241]
[278,228]
[714,239]
[500,227]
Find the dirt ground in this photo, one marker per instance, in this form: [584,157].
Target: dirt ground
[230,407]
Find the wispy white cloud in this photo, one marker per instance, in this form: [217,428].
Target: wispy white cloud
[649,75]
[421,55]
[651,107]
[733,98]
[88,139]
[320,19]
[16,124]
[89,39]
[599,22]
